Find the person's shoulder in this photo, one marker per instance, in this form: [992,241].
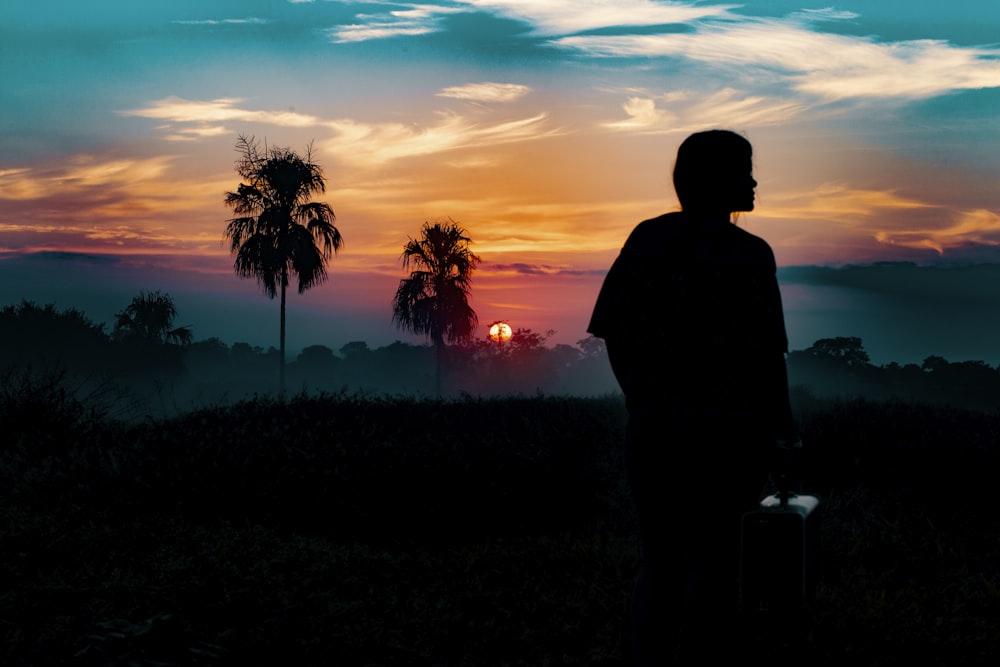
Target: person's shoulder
[752,243]
[655,231]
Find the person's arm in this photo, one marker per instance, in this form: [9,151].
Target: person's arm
[784,421]
[621,363]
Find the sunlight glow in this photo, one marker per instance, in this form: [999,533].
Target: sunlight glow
[500,332]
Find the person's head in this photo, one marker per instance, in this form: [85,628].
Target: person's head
[713,173]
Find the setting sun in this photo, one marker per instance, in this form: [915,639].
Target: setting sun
[500,332]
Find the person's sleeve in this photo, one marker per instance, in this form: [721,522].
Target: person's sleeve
[607,318]
[784,421]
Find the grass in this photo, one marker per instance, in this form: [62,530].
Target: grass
[379,531]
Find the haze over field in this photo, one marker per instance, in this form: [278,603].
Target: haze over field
[546,128]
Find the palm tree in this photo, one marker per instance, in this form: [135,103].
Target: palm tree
[434,300]
[150,318]
[277,230]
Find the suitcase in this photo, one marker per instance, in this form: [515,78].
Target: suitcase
[780,554]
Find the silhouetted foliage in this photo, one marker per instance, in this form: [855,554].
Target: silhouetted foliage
[434,299]
[46,336]
[278,231]
[845,350]
[171,379]
[149,318]
[296,532]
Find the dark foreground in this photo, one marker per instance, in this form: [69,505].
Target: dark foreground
[344,531]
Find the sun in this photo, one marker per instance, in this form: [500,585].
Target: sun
[500,332]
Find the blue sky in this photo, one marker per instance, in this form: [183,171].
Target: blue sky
[547,129]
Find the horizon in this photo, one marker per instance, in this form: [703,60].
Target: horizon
[546,129]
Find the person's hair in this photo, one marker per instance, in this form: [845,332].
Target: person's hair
[708,163]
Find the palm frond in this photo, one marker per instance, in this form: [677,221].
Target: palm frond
[276,229]
[434,299]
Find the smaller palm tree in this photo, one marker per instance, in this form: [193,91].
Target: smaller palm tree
[434,300]
[150,318]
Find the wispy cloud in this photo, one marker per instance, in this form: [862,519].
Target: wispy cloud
[683,111]
[357,141]
[528,269]
[80,172]
[250,20]
[545,17]
[976,227]
[840,202]
[92,201]
[377,143]
[415,19]
[486,91]
[565,17]
[829,66]
[206,116]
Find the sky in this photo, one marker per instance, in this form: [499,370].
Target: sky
[546,128]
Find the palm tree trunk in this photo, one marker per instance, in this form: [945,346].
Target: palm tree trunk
[440,365]
[281,372]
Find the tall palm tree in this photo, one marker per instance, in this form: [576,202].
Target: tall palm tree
[150,318]
[434,300]
[277,230]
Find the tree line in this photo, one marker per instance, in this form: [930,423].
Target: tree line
[149,357]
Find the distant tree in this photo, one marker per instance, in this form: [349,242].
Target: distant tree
[316,355]
[434,300]
[315,368]
[846,350]
[934,363]
[592,346]
[150,319]
[32,333]
[277,230]
[526,341]
[356,348]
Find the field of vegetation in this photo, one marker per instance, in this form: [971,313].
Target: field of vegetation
[345,530]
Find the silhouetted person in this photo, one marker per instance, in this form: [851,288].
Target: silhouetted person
[691,315]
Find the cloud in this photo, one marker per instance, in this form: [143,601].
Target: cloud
[357,141]
[688,111]
[828,14]
[546,17]
[840,202]
[80,172]
[206,113]
[73,257]
[377,143]
[927,284]
[830,66]
[250,20]
[528,269]
[487,91]
[565,17]
[414,20]
[114,204]
[977,227]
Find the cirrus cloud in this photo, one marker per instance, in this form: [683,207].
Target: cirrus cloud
[976,227]
[356,141]
[829,66]
[486,91]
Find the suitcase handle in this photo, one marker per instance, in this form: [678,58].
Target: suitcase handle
[787,458]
